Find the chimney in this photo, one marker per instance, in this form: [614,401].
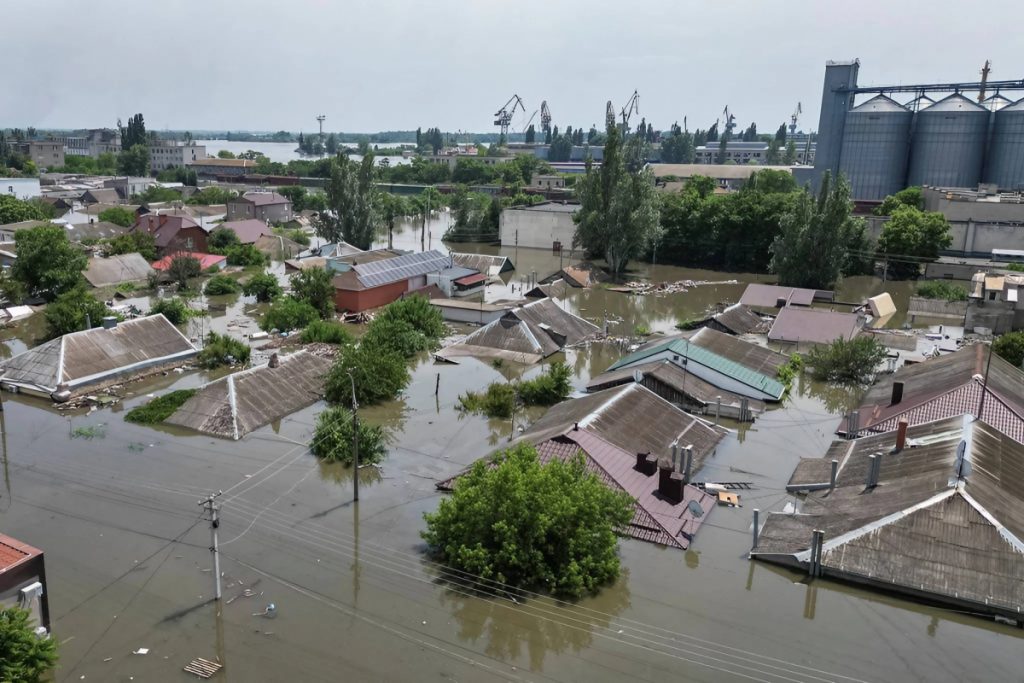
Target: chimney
[109,322]
[897,393]
[646,464]
[689,464]
[670,483]
[874,468]
[576,427]
[901,436]
[677,461]
[833,474]
[780,302]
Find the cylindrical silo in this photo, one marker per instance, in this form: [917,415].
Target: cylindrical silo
[996,102]
[920,102]
[948,144]
[1005,166]
[876,140]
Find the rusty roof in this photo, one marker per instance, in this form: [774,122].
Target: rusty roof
[14,553]
[80,359]
[813,325]
[946,519]
[241,402]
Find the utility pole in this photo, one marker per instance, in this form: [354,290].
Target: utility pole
[213,509]
[355,440]
[320,119]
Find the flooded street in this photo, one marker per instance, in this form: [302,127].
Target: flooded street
[128,565]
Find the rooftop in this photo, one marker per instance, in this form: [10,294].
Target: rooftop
[262,198]
[248,230]
[114,270]
[205,260]
[719,171]
[13,553]
[813,325]
[770,296]
[753,356]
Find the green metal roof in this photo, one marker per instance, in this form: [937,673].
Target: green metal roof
[700,355]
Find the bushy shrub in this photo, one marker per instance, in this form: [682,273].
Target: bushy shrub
[174,309]
[182,268]
[853,361]
[160,408]
[263,286]
[333,438]
[940,289]
[326,332]
[418,312]
[74,310]
[497,400]
[287,314]
[245,255]
[380,375]
[222,349]
[222,284]
[1010,347]
[221,239]
[396,335]
[547,389]
[314,286]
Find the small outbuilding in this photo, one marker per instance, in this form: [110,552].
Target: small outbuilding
[116,270]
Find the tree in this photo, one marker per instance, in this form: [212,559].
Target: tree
[134,133]
[818,237]
[182,268]
[118,215]
[911,196]
[912,237]
[853,362]
[245,255]
[72,311]
[175,309]
[288,314]
[315,287]
[333,438]
[264,287]
[780,135]
[225,154]
[351,200]
[531,135]
[132,242]
[14,210]
[545,527]
[134,161]
[24,656]
[48,264]
[380,375]
[221,284]
[223,349]
[1010,347]
[772,157]
[332,144]
[789,158]
[221,239]
[618,215]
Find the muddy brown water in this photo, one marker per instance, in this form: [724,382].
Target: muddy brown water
[115,509]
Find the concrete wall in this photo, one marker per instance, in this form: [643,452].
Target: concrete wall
[970,238]
[536,228]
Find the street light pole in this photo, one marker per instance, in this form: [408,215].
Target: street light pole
[355,439]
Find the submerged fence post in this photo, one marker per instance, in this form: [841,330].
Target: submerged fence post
[757,516]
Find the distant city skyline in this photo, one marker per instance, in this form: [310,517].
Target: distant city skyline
[393,65]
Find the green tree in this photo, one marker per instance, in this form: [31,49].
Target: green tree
[351,200]
[912,237]
[225,154]
[334,434]
[221,239]
[911,196]
[545,527]
[618,216]
[332,144]
[134,161]
[132,242]
[223,349]
[134,133]
[780,135]
[74,310]
[14,210]
[48,264]
[264,287]
[814,246]
[1010,347]
[287,314]
[175,309]
[182,268]
[315,287]
[118,215]
[854,361]
[380,375]
[789,158]
[245,255]
[531,135]
[24,656]
[221,284]
[416,310]
[773,156]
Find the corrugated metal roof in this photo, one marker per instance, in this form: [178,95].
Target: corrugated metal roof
[880,104]
[235,405]
[955,103]
[768,296]
[757,358]
[484,263]
[377,273]
[813,325]
[114,270]
[698,354]
[673,377]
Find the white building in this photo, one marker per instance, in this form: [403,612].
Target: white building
[164,154]
[542,226]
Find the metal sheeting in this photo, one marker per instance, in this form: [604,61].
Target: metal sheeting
[1005,165]
[813,325]
[948,144]
[757,358]
[876,143]
[401,267]
[484,263]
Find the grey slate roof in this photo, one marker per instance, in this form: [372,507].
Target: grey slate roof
[241,402]
[114,270]
[82,359]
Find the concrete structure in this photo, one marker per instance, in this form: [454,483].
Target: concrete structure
[269,207]
[875,147]
[979,220]
[457,282]
[365,282]
[996,302]
[212,167]
[753,153]
[92,142]
[729,177]
[547,182]
[43,153]
[127,187]
[23,581]
[22,188]
[542,226]
[164,154]
[80,362]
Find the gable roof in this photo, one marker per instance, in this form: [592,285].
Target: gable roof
[164,227]
[241,402]
[205,260]
[739,319]
[80,359]
[757,358]
[248,230]
[768,296]
[483,263]
[698,354]
[946,518]
[261,198]
[114,270]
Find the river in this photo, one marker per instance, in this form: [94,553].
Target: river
[128,561]
[282,151]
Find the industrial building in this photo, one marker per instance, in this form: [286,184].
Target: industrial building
[883,146]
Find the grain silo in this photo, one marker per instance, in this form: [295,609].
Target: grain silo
[948,143]
[1005,165]
[996,102]
[876,141]
[920,102]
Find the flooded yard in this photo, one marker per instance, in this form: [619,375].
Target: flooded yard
[115,508]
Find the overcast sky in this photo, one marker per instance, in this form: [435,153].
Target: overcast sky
[398,64]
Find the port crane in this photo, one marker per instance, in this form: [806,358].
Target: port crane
[545,117]
[632,107]
[609,115]
[503,117]
[792,119]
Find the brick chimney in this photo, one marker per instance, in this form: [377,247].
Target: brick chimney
[646,464]
[901,436]
[897,393]
[670,482]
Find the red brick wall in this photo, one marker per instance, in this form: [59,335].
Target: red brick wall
[347,300]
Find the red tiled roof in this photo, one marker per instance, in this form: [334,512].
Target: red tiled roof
[13,552]
[471,279]
[205,260]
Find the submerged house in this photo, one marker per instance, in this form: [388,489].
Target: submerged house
[965,381]
[115,270]
[526,334]
[757,295]
[84,361]
[376,278]
[935,512]
[241,402]
[635,442]
[491,266]
[736,319]
[814,326]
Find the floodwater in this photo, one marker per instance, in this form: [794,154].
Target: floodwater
[114,506]
[283,151]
